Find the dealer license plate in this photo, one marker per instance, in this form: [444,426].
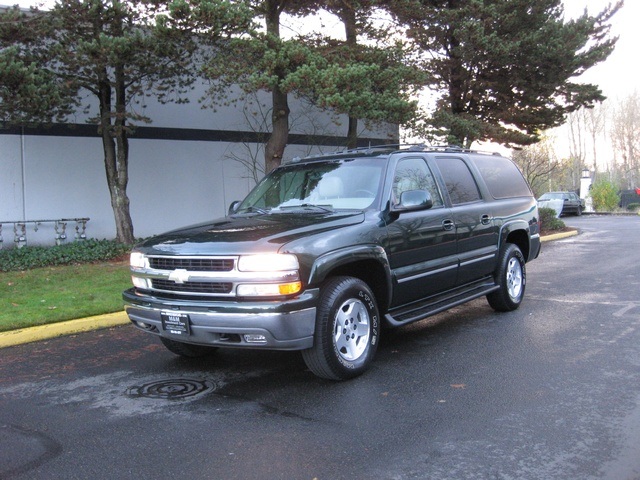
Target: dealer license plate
[175,323]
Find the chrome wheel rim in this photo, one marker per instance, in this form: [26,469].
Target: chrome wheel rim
[351,330]
[514,278]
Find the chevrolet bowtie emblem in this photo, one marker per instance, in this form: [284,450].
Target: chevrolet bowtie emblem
[179,276]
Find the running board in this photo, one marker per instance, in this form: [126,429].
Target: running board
[425,308]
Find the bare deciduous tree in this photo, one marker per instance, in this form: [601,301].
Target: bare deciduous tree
[625,138]
[538,163]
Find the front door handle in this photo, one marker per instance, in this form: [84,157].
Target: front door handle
[448,224]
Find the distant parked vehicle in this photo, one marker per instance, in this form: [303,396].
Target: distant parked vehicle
[562,202]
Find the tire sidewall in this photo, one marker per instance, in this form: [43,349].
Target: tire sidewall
[352,288]
[514,252]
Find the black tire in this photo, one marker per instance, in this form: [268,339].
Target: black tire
[347,330]
[579,212]
[511,277]
[187,349]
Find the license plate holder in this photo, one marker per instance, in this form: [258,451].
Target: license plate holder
[176,323]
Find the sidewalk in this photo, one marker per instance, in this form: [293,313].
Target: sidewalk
[70,327]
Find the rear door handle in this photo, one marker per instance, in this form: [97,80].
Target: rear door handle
[448,224]
[485,219]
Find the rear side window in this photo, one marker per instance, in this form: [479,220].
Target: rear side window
[460,183]
[502,177]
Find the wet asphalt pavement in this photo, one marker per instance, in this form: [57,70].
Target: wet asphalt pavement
[551,391]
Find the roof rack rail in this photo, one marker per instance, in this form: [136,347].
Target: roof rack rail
[381,146]
[396,147]
[416,147]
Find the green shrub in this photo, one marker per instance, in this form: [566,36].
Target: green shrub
[605,196]
[548,220]
[633,207]
[72,253]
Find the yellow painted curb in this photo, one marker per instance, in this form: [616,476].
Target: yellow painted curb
[51,330]
[558,236]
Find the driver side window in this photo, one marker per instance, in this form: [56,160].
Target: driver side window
[414,174]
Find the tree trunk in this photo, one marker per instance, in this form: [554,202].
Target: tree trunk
[348,16]
[279,137]
[274,149]
[116,158]
[352,134]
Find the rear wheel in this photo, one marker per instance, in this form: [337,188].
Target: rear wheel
[187,349]
[511,278]
[347,330]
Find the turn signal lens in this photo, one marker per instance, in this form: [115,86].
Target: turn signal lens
[290,288]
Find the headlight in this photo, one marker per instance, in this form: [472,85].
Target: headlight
[138,260]
[274,262]
[268,289]
[289,284]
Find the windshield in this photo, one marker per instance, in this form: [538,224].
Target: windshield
[320,186]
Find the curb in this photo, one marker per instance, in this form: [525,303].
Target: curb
[52,330]
[558,236]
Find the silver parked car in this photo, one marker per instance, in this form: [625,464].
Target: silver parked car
[562,202]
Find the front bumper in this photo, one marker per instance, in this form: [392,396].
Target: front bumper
[278,325]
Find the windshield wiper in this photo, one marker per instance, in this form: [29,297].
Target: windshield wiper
[307,206]
[253,209]
[317,207]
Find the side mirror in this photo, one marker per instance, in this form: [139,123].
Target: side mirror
[233,208]
[413,200]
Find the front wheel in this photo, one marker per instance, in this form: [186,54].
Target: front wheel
[511,278]
[347,330]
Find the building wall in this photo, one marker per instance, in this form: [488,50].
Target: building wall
[181,168]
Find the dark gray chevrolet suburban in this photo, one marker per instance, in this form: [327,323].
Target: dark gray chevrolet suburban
[326,250]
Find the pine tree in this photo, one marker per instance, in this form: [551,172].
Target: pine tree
[503,69]
[112,50]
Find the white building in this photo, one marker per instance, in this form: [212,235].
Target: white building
[183,169]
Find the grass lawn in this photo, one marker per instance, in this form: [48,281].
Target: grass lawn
[53,294]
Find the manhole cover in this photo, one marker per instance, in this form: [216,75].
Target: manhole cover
[171,389]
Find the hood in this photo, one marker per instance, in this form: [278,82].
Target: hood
[247,233]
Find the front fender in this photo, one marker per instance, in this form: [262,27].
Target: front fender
[357,257]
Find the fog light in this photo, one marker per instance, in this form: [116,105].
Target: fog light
[254,338]
[143,325]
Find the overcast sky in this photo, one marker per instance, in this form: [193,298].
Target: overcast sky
[618,75]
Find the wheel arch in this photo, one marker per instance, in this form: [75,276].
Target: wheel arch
[367,263]
[518,234]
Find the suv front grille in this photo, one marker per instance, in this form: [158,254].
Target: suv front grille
[192,264]
[207,288]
